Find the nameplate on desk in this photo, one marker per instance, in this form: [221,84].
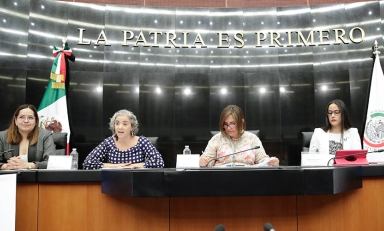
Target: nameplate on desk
[377,157]
[315,159]
[60,162]
[187,161]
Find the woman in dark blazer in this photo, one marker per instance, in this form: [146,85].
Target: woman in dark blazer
[24,145]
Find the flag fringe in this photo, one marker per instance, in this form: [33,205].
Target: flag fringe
[57,77]
[58,85]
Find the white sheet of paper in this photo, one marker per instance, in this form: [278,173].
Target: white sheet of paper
[60,162]
[8,202]
[187,161]
[376,157]
[315,159]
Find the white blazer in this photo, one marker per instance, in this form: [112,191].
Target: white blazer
[320,140]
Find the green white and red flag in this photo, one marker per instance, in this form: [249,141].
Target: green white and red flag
[53,112]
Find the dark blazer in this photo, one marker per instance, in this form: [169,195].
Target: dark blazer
[37,153]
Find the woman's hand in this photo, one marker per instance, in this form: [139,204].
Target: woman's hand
[15,163]
[204,161]
[124,165]
[273,161]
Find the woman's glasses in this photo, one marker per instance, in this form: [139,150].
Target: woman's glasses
[230,125]
[23,117]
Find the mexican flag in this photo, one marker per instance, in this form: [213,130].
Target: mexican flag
[374,124]
[53,113]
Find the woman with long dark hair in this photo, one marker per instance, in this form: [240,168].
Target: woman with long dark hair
[338,133]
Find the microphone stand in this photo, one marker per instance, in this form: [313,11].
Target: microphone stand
[256,147]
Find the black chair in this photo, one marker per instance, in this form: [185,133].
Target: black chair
[60,140]
[153,140]
[256,132]
[307,136]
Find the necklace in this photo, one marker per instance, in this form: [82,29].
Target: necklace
[233,139]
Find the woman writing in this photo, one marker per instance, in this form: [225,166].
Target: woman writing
[233,138]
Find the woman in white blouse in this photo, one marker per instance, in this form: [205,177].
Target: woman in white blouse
[337,134]
[233,138]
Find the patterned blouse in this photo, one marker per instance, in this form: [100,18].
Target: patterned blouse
[220,145]
[107,152]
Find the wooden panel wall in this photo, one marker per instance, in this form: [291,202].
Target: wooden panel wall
[76,206]
[26,207]
[64,207]
[361,209]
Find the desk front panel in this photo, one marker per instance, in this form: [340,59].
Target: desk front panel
[361,209]
[235,213]
[26,206]
[82,206]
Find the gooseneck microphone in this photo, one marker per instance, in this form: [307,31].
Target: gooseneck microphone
[219,228]
[352,157]
[10,150]
[256,147]
[268,227]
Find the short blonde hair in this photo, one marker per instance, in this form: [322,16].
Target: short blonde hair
[237,114]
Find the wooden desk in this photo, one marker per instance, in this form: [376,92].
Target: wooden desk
[47,206]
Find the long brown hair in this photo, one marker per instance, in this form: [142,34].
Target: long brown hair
[14,136]
[237,114]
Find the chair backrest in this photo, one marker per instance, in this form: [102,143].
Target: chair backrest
[307,136]
[153,140]
[256,132]
[60,140]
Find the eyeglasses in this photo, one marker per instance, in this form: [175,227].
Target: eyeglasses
[23,117]
[231,125]
[337,112]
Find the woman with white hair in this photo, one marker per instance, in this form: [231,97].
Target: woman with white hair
[124,149]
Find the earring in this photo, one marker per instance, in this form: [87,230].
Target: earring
[133,133]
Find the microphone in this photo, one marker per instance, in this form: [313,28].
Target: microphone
[10,150]
[256,147]
[351,157]
[220,228]
[268,227]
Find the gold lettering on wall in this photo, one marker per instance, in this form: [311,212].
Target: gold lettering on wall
[102,37]
[352,38]
[125,37]
[239,39]
[141,39]
[171,40]
[199,39]
[339,36]
[155,37]
[262,38]
[300,37]
[275,39]
[258,39]
[81,41]
[221,39]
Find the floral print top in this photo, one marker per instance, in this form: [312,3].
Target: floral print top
[220,145]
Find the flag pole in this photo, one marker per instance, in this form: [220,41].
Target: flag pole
[373,136]
[375,49]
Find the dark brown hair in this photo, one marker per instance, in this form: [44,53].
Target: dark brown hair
[14,136]
[237,114]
